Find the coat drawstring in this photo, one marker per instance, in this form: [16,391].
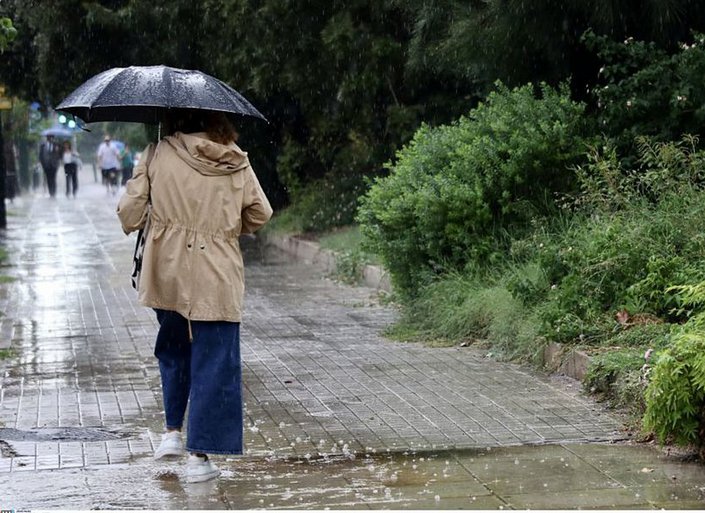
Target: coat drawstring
[190,333]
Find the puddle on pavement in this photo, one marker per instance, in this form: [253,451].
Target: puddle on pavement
[60,434]
[542,477]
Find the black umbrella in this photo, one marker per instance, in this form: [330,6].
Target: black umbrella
[143,94]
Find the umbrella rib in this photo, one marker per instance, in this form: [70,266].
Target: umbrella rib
[112,79]
[245,106]
[167,81]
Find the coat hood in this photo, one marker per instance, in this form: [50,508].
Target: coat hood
[207,157]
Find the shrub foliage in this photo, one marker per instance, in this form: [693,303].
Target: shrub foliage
[640,233]
[453,189]
[675,397]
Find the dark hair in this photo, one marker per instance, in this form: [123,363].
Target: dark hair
[215,124]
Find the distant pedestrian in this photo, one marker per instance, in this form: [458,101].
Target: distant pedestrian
[71,163]
[128,163]
[49,157]
[203,195]
[108,157]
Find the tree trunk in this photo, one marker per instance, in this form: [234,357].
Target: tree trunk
[25,176]
[8,149]
[3,213]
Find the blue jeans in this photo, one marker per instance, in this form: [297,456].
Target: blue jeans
[206,374]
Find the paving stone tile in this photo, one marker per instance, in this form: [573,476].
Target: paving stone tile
[315,365]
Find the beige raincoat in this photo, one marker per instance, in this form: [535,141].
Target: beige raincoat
[203,196]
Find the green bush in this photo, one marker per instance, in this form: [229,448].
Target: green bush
[675,397]
[633,237]
[618,378]
[643,336]
[649,92]
[453,190]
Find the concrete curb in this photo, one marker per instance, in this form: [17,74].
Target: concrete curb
[566,360]
[311,252]
[556,358]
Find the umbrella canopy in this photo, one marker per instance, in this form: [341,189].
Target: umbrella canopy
[143,94]
[58,131]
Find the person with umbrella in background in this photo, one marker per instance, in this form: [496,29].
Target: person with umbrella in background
[49,158]
[197,192]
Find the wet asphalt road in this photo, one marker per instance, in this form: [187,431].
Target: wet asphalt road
[337,416]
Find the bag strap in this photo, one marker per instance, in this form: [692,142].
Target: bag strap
[151,149]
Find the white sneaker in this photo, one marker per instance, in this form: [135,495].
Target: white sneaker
[199,469]
[171,445]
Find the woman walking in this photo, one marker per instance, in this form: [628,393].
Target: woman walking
[71,162]
[200,193]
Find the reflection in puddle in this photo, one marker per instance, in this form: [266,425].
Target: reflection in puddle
[518,477]
[523,477]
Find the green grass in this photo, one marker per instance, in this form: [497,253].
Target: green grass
[343,239]
[283,222]
[347,240]
[6,353]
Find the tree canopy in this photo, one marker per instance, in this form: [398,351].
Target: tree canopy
[344,83]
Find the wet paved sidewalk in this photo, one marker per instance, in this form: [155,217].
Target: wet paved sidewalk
[337,416]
